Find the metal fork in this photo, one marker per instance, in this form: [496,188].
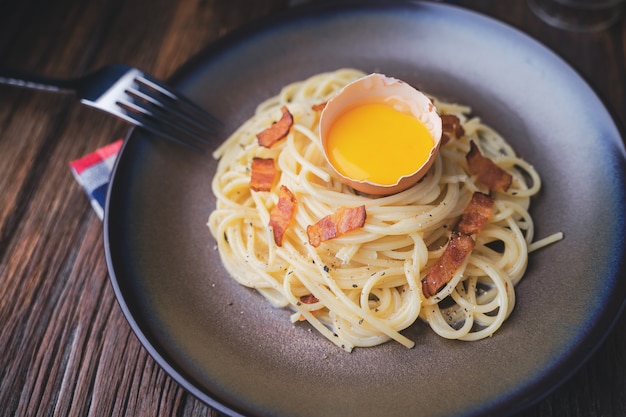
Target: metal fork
[133,96]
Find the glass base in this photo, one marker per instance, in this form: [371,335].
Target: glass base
[581,16]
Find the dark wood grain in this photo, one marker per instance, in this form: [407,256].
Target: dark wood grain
[65,347]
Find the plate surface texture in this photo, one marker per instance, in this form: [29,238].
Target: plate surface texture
[230,348]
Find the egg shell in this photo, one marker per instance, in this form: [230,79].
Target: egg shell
[378,88]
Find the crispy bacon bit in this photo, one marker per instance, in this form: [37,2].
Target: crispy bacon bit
[282,213]
[487,171]
[476,214]
[262,174]
[309,299]
[451,128]
[319,106]
[341,221]
[277,130]
[459,246]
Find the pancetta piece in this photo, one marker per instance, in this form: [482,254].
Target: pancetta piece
[459,246]
[318,106]
[451,128]
[476,214]
[262,174]
[310,299]
[487,172]
[282,214]
[343,220]
[277,130]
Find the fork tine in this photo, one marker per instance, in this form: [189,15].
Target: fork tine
[157,105]
[159,131]
[164,115]
[160,124]
[184,103]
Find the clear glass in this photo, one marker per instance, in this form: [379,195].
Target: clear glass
[579,15]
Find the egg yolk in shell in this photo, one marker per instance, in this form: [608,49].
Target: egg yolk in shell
[376,143]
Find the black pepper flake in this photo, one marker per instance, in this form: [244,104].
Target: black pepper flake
[326,268]
[355,285]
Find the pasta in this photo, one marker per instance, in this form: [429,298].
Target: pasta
[365,285]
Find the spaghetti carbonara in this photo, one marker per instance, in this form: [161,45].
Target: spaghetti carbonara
[365,285]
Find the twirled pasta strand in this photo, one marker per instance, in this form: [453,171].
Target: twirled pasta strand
[367,283]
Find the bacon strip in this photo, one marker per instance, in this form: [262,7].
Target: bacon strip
[451,127]
[319,106]
[277,130]
[262,174]
[343,220]
[486,170]
[310,299]
[282,213]
[459,246]
[476,214]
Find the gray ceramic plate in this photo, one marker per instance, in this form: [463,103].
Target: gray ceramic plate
[226,345]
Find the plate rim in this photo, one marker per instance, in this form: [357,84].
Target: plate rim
[566,367]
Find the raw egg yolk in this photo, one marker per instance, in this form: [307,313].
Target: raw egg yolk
[378,144]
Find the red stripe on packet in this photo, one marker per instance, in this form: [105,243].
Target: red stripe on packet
[79,165]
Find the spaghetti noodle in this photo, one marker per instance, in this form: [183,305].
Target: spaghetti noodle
[363,288]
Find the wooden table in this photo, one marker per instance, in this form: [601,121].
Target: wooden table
[65,347]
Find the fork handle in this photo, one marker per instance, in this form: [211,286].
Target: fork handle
[35,82]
